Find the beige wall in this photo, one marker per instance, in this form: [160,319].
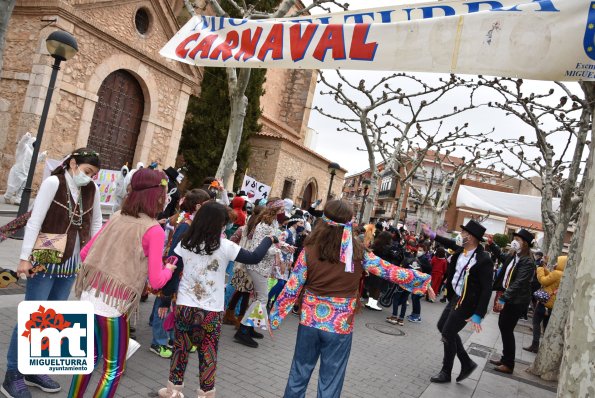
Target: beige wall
[108,41]
[284,161]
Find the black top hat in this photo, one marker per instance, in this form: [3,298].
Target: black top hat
[171,173]
[525,235]
[475,229]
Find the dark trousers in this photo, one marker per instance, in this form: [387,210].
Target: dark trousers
[509,317]
[540,315]
[333,350]
[451,322]
[400,300]
[416,304]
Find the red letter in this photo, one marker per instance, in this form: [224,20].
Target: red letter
[273,42]
[203,47]
[361,50]
[231,41]
[299,44]
[248,44]
[332,39]
[181,50]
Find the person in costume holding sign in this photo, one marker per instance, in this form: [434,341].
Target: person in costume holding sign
[514,280]
[66,214]
[330,268]
[468,289]
[201,295]
[116,264]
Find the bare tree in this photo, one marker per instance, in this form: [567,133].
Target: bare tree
[237,81]
[441,178]
[391,116]
[576,376]
[6,7]
[549,115]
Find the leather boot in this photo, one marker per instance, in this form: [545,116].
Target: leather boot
[171,391]
[242,336]
[532,348]
[230,319]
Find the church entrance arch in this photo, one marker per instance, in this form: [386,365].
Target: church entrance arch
[117,120]
[309,194]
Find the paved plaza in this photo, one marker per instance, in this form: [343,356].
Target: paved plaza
[386,360]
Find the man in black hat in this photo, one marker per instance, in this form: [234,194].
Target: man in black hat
[514,280]
[468,289]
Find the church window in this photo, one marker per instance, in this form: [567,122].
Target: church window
[142,20]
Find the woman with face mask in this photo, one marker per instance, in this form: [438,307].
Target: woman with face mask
[514,280]
[67,203]
[265,224]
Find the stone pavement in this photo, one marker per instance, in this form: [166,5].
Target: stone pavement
[385,361]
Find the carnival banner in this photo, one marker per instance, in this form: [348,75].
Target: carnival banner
[534,39]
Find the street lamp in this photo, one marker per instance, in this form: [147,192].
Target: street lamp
[366,184]
[61,46]
[332,169]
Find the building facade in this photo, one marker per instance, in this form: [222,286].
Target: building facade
[118,96]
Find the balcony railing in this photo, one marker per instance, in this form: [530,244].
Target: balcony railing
[388,193]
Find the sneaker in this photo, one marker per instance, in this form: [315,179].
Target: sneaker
[44,382]
[170,344]
[14,386]
[414,318]
[400,322]
[393,320]
[161,350]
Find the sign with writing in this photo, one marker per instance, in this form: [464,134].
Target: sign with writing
[106,183]
[534,39]
[255,190]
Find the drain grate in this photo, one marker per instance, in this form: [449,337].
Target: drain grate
[385,329]
[480,350]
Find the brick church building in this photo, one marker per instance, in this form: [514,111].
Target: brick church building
[121,98]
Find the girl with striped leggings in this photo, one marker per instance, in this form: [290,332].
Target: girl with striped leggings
[116,263]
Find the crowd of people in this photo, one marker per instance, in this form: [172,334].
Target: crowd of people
[213,258]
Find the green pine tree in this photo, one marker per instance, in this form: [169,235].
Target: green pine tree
[207,121]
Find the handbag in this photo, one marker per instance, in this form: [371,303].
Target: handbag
[49,248]
[541,296]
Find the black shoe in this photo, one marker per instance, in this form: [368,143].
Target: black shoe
[466,371]
[496,362]
[443,300]
[242,336]
[255,335]
[441,377]
[132,329]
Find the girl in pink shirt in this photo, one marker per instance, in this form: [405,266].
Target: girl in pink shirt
[116,264]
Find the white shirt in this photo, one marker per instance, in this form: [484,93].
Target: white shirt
[509,269]
[464,261]
[45,196]
[203,280]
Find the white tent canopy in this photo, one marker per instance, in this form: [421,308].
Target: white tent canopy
[502,203]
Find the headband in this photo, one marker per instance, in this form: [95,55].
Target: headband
[346,254]
[276,203]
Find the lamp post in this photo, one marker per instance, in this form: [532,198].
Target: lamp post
[366,184]
[61,46]
[332,169]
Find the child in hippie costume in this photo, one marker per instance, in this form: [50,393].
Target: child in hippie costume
[200,298]
[330,269]
[116,264]
[66,214]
